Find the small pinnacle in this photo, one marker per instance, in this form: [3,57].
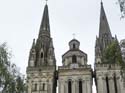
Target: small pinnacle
[33,42]
[96,36]
[115,36]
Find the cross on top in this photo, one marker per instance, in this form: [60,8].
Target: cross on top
[101,2]
[46,1]
[74,35]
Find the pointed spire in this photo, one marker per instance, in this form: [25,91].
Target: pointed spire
[116,39]
[33,44]
[45,26]
[104,26]
[105,37]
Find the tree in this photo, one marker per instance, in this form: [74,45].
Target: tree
[11,80]
[20,85]
[122,7]
[112,54]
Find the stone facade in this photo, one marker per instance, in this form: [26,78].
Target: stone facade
[41,80]
[75,75]
[108,78]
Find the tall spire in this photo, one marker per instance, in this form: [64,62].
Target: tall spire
[45,26]
[44,48]
[104,26]
[105,37]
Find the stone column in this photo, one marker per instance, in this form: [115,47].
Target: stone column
[76,87]
[118,84]
[50,86]
[66,87]
[61,87]
[99,85]
[84,87]
[30,87]
[91,82]
[73,87]
[88,86]
[104,85]
[111,85]
[49,90]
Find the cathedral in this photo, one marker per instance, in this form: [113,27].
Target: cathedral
[75,75]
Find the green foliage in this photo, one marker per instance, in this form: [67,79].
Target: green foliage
[11,81]
[122,7]
[112,54]
[20,85]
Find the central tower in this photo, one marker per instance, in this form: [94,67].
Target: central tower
[75,76]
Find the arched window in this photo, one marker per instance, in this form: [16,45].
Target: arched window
[41,54]
[80,86]
[43,86]
[115,84]
[73,59]
[69,86]
[74,46]
[107,84]
[35,87]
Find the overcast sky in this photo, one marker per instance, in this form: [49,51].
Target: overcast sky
[20,21]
